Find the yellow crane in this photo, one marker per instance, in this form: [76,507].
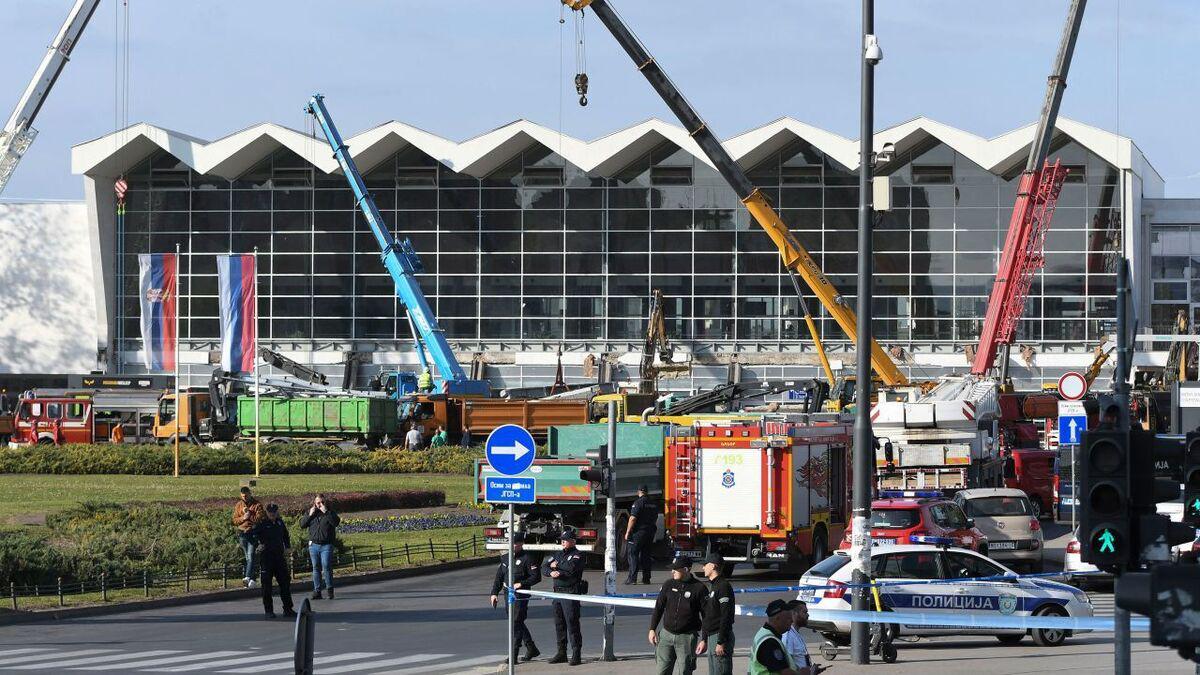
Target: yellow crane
[796,258]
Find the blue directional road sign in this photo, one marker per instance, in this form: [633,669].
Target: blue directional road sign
[1072,422]
[508,490]
[510,449]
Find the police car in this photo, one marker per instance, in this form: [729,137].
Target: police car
[939,569]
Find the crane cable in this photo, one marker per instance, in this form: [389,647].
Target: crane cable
[581,78]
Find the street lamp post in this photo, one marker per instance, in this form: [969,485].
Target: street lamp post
[864,448]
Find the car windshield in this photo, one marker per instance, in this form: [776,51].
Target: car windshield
[997,506]
[828,566]
[895,518]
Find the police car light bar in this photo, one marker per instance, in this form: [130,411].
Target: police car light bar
[930,539]
[894,494]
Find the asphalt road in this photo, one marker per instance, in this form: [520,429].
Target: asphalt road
[443,624]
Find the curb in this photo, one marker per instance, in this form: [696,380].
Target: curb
[10,618]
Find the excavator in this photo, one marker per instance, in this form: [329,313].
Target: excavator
[795,257]
[657,344]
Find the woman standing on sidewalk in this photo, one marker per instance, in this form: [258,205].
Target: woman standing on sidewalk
[322,523]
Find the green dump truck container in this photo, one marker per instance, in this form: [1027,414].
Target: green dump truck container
[360,418]
[635,442]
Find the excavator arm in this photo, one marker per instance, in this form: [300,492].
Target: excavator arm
[795,258]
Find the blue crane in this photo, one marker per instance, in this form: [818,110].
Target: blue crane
[403,264]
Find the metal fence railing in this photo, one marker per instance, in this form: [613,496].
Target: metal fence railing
[150,583]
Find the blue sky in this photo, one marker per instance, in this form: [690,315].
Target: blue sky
[458,69]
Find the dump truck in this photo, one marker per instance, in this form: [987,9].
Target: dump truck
[191,419]
[774,493]
[364,419]
[563,499]
[483,415]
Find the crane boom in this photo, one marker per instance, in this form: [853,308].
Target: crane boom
[18,133]
[795,257]
[402,263]
[1037,194]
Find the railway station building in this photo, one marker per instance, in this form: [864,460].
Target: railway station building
[541,249]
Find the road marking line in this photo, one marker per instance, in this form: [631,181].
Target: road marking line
[14,652]
[56,655]
[446,667]
[415,658]
[349,656]
[95,659]
[162,662]
[228,662]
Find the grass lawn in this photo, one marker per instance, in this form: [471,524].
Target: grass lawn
[27,496]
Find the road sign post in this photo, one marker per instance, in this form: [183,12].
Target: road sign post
[510,451]
[1072,422]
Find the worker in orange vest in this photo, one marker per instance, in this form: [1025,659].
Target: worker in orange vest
[118,433]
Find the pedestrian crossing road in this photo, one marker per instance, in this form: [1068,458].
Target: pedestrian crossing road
[49,659]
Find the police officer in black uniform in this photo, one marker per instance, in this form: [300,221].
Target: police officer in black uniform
[274,544]
[566,568]
[719,611]
[639,535]
[525,574]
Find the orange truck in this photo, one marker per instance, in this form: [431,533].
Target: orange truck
[482,415]
[769,493]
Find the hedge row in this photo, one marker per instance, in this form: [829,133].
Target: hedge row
[342,502]
[232,459]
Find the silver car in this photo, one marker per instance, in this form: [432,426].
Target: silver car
[1006,517]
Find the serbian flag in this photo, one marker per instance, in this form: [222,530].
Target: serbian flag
[239,311]
[157,274]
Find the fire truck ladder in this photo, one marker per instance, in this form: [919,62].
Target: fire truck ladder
[685,506]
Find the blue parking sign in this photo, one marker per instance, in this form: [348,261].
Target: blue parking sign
[510,449]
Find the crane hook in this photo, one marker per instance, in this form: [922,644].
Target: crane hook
[581,87]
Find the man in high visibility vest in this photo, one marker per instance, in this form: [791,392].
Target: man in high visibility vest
[767,654]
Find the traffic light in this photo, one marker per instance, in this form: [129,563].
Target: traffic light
[1105,516]
[600,474]
[1191,479]
[1166,594]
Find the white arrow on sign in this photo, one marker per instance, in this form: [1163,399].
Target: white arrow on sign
[517,450]
[1073,425]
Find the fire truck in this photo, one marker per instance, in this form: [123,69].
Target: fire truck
[61,417]
[770,493]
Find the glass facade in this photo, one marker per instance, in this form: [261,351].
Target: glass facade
[1174,275]
[540,250]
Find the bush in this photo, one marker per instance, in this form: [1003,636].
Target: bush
[414,523]
[342,502]
[232,459]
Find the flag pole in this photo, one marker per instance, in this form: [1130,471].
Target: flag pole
[257,412]
[178,406]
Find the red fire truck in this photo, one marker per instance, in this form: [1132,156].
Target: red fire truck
[66,418]
[767,493]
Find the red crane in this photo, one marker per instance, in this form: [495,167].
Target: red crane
[1037,194]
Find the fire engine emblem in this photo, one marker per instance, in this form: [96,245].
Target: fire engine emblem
[727,478]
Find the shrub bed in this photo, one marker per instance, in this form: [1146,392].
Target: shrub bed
[413,523]
[232,459]
[342,502]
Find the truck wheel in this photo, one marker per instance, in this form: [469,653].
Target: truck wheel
[820,548]
[1036,504]
[622,543]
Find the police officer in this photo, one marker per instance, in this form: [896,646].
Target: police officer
[768,654]
[679,607]
[566,568]
[719,610]
[639,535]
[274,544]
[525,575]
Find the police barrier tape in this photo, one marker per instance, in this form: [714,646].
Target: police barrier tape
[941,620]
[882,584]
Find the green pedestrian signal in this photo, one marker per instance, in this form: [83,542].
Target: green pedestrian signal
[1106,539]
[1196,506]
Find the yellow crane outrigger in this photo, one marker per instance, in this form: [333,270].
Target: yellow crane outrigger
[795,257]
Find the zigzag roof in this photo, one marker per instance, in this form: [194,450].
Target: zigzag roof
[232,155]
